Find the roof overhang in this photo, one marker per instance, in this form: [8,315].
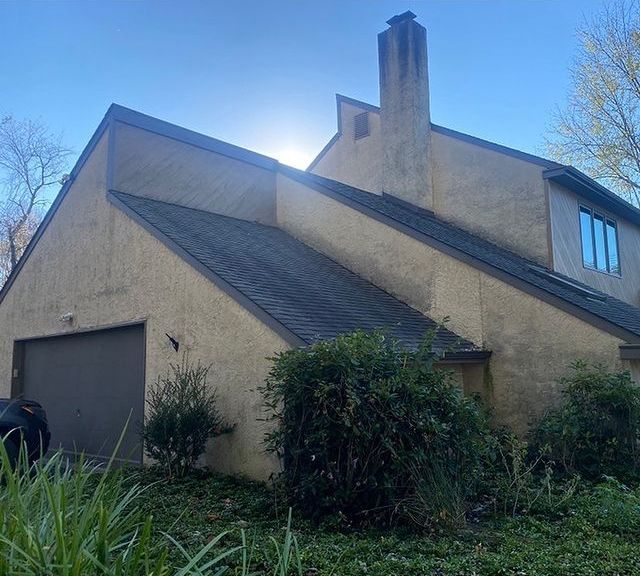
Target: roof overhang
[630,352]
[466,357]
[581,184]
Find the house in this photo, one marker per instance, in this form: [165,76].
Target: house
[164,240]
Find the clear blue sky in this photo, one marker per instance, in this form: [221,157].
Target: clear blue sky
[262,74]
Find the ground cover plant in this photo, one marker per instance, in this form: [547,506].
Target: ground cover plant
[585,536]
[474,501]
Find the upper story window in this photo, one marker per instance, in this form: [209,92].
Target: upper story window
[599,241]
[361,125]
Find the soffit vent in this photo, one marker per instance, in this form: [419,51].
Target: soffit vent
[361,125]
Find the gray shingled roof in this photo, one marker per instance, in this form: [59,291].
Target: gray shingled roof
[307,292]
[566,289]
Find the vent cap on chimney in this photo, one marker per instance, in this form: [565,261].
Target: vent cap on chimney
[408,15]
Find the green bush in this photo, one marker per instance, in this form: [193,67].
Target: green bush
[521,480]
[369,431]
[596,429]
[182,416]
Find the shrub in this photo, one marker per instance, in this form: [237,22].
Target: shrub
[521,480]
[595,430]
[182,417]
[367,430]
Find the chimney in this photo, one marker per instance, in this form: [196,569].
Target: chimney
[404,111]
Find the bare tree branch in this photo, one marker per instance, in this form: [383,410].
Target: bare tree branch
[31,160]
[599,130]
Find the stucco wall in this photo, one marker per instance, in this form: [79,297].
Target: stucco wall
[96,262]
[532,342]
[494,195]
[491,194]
[567,247]
[354,162]
[155,166]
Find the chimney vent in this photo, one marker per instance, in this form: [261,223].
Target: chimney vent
[408,15]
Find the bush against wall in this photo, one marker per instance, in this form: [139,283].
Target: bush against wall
[182,416]
[369,431]
[596,429]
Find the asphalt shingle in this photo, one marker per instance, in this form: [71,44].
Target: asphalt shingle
[307,292]
[572,291]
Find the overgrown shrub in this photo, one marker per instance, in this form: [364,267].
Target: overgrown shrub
[520,479]
[369,431]
[182,416]
[596,429]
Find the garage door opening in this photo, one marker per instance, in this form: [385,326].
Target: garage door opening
[90,384]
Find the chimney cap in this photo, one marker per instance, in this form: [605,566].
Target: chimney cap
[408,15]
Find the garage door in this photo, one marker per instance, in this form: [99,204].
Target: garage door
[89,384]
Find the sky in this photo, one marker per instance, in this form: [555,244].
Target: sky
[263,74]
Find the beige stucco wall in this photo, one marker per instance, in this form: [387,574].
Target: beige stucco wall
[532,342]
[354,162]
[494,195]
[491,194]
[567,247]
[96,262]
[155,166]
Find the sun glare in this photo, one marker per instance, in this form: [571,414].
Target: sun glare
[294,157]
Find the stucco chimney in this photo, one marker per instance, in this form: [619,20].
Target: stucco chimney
[404,111]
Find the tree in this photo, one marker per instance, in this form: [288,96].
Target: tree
[31,160]
[599,130]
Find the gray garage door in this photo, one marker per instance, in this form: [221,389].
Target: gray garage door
[90,384]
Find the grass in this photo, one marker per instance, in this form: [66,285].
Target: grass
[597,534]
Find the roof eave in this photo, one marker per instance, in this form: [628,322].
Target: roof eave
[589,317]
[581,184]
[630,352]
[465,357]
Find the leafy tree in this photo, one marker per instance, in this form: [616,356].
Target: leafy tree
[31,161]
[599,129]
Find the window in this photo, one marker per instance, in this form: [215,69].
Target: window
[599,236]
[361,125]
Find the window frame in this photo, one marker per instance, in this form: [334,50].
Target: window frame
[606,218]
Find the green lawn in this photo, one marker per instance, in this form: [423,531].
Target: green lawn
[591,536]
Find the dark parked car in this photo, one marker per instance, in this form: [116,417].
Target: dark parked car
[26,419]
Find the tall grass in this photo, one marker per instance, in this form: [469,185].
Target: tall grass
[64,518]
[69,519]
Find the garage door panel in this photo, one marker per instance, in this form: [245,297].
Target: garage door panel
[90,384]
